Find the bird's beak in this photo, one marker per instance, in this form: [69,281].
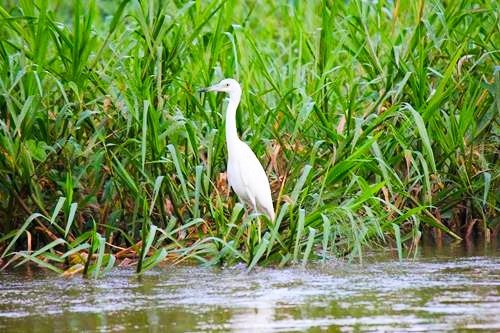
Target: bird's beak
[208,89]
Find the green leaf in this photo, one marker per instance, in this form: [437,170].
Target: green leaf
[156,190]
[100,255]
[309,245]
[180,174]
[397,235]
[259,252]
[21,230]
[144,140]
[487,182]
[154,260]
[71,217]
[298,233]
[57,209]
[422,130]
[40,262]
[47,247]
[300,183]
[37,149]
[149,240]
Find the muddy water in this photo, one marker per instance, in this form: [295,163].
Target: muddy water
[453,289]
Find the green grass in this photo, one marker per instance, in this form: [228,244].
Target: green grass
[375,121]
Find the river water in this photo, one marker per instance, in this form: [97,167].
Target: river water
[455,288]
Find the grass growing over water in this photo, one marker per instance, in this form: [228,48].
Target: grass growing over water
[374,121]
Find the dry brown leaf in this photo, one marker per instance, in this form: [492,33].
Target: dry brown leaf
[287,199]
[28,240]
[341,125]
[169,208]
[106,104]
[385,191]
[408,159]
[77,268]
[222,184]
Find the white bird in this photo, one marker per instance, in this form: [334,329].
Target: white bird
[245,174]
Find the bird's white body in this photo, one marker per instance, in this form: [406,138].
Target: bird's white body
[245,174]
[248,179]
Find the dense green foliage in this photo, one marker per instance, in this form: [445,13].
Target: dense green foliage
[373,119]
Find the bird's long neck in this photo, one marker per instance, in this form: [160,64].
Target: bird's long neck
[231,132]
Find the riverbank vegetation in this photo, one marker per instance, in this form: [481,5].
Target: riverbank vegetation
[375,121]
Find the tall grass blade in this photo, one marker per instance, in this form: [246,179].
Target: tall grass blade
[57,209]
[309,245]
[20,231]
[261,249]
[300,183]
[71,217]
[298,233]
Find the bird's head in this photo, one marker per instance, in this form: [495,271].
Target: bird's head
[229,86]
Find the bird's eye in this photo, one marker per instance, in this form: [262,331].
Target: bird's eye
[227,84]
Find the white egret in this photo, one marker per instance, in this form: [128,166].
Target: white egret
[245,174]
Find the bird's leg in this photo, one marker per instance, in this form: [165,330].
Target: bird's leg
[243,219]
[259,222]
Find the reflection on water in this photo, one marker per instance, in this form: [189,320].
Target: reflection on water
[444,289]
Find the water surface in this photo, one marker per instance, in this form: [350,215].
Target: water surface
[447,290]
